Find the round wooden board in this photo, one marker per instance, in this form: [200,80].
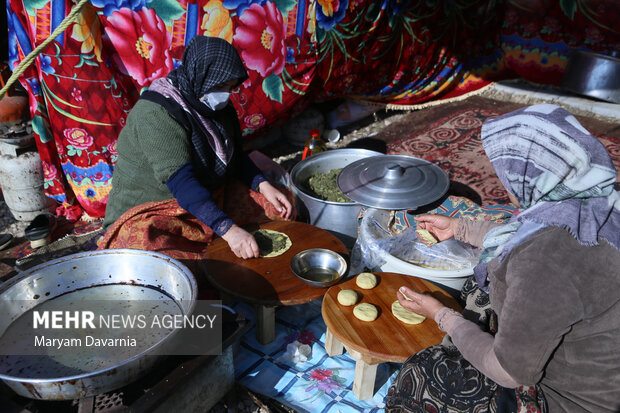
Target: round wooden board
[270,281]
[386,338]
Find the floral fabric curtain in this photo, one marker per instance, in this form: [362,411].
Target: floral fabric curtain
[402,52]
[84,83]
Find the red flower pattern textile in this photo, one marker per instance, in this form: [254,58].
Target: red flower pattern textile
[304,337]
[142,43]
[538,36]
[49,171]
[112,149]
[78,138]
[260,39]
[397,52]
[307,337]
[50,174]
[320,374]
[324,381]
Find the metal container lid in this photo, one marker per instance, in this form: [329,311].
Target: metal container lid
[393,182]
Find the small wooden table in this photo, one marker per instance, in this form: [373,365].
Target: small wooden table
[269,282]
[386,338]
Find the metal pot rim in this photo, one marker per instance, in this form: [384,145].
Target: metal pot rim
[330,153]
[326,202]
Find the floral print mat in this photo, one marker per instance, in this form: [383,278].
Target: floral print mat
[321,383]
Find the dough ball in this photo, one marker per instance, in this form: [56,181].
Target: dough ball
[406,316]
[426,237]
[366,280]
[366,312]
[347,297]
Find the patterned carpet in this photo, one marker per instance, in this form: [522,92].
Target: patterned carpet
[453,143]
[82,236]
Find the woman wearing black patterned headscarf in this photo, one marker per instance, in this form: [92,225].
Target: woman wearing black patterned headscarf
[181,147]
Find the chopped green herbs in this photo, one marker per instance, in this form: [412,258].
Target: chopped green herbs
[269,242]
[324,186]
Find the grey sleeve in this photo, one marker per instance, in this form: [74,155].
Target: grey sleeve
[473,232]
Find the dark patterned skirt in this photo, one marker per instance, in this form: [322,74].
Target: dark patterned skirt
[439,379]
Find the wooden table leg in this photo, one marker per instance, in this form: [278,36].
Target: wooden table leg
[333,346]
[365,374]
[364,380]
[265,323]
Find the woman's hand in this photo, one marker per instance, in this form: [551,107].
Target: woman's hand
[422,304]
[277,199]
[241,242]
[441,226]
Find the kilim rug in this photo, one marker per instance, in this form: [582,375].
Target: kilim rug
[453,143]
[68,238]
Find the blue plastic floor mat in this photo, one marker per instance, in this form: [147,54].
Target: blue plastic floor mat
[320,384]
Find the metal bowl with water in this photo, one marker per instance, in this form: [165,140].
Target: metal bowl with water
[319,267]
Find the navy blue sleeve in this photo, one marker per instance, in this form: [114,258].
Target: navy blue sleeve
[197,200]
[248,173]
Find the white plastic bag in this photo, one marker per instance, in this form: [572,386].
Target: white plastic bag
[296,352]
[375,242]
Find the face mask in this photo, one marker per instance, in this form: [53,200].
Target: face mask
[216,100]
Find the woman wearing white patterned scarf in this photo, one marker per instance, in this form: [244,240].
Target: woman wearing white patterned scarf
[547,283]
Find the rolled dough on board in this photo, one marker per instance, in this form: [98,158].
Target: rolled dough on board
[269,233]
[404,315]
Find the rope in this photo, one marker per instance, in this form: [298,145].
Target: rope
[23,65]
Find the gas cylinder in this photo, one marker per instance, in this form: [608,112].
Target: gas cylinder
[21,175]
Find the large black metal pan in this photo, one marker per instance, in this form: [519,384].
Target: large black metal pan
[594,75]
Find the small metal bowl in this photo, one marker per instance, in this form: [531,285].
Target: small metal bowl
[319,267]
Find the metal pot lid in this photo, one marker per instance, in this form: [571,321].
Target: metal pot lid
[393,182]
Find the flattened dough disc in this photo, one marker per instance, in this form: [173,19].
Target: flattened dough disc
[406,316]
[265,239]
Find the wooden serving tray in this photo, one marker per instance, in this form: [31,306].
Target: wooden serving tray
[386,338]
[270,281]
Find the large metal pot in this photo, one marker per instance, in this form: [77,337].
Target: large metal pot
[340,218]
[135,274]
[592,74]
